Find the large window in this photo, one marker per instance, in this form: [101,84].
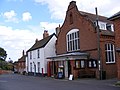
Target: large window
[73,40]
[110,53]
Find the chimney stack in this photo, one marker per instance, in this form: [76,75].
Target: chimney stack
[36,40]
[57,30]
[45,34]
[23,53]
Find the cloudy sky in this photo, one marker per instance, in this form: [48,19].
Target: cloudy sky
[22,21]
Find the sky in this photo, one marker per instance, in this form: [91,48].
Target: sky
[24,21]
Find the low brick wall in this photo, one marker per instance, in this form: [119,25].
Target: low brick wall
[5,72]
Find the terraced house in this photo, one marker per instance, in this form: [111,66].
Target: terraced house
[36,62]
[77,46]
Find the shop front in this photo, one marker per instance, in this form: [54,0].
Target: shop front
[77,64]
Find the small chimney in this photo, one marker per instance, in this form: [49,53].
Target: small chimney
[57,30]
[73,2]
[36,40]
[23,53]
[72,5]
[45,34]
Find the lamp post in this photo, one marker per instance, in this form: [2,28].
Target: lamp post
[98,46]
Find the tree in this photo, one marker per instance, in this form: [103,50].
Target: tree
[3,54]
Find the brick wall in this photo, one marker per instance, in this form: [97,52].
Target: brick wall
[87,32]
[88,38]
[117,41]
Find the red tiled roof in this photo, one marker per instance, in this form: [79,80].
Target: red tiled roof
[92,17]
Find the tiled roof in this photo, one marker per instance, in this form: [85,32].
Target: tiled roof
[41,43]
[115,16]
[92,17]
[107,33]
[22,58]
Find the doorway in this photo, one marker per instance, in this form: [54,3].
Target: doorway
[69,68]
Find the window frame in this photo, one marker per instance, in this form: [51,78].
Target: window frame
[38,53]
[30,54]
[72,39]
[110,53]
[78,64]
[38,65]
[31,67]
[102,25]
[92,63]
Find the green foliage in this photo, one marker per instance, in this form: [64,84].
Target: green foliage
[4,65]
[3,54]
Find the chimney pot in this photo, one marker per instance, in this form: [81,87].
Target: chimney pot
[45,34]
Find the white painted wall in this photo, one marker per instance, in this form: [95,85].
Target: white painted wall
[47,51]
[26,64]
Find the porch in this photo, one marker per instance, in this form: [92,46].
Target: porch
[77,64]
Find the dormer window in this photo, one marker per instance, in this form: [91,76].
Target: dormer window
[102,25]
[110,27]
[72,38]
[105,26]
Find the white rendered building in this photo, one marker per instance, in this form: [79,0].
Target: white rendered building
[36,62]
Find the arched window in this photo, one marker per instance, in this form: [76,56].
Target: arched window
[110,53]
[72,38]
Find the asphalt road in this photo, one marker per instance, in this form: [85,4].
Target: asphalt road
[21,82]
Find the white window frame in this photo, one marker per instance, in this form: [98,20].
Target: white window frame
[82,64]
[110,53]
[102,25]
[72,39]
[77,64]
[111,26]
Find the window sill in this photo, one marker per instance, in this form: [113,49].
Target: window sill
[110,62]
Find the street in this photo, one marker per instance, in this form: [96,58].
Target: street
[22,82]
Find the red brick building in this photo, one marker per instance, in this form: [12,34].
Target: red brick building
[77,46]
[116,19]
[21,63]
